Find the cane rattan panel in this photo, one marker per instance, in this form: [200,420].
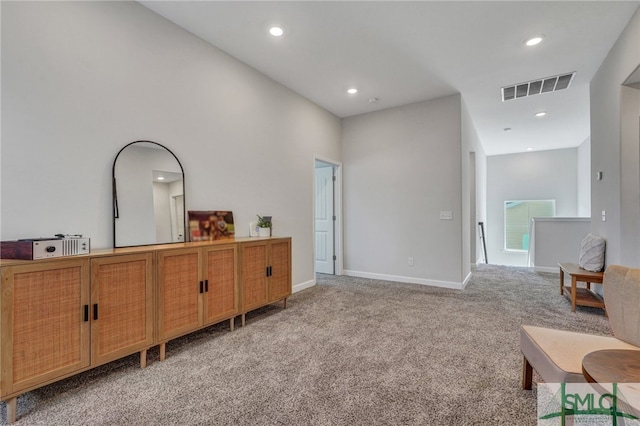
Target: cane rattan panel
[47,334]
[179,292]
[120,289]
[280,260]
[221,297]
[254,277]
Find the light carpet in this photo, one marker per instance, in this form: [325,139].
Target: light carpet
[348,351]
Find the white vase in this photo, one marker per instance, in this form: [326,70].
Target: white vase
[264,232]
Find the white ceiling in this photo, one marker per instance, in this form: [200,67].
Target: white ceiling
[405,52]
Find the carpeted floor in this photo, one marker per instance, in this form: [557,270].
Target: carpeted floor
[348,351]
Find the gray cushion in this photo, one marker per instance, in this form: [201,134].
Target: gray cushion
[592,253]
[622,297]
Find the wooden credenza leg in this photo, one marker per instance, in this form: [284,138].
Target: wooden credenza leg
[232,323]
[163,351]
[143,359]
[285,303]
[243,320]
[12,405]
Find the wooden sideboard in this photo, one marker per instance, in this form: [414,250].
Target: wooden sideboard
[63,316]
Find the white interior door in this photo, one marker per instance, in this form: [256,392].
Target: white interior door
[324,218]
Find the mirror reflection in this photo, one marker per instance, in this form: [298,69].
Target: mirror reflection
[634,79]
[148,196]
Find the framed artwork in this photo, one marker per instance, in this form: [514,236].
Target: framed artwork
[210,225]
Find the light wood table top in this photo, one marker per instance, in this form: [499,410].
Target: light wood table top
[620,366]
[612,366]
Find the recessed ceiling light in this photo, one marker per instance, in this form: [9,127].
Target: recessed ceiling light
[352,91]
[160,178]
[276,31]
[530,149]
[541,114]
[534,40]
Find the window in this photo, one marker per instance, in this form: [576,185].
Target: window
[517,217]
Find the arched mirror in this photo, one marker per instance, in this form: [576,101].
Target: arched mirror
[148,196]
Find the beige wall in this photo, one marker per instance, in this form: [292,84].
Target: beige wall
[82,79]
[402,167]
[618,193]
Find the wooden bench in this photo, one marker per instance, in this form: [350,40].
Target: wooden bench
[580,296]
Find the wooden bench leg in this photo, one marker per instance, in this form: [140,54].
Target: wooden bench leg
[561,282]
[12,405]
[574,292]
[527,374]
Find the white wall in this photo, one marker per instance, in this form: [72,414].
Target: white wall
[402,167]
[618,192]
[584,178]
[82,79]
[476,174]
[543,175]
[555,240]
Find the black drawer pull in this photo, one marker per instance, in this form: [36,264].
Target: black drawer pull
[95,311]
[86,313]
[206,286]
[201,287]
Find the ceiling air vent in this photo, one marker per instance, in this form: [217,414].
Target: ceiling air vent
[535,87]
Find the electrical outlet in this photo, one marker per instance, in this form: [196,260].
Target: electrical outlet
[410,261]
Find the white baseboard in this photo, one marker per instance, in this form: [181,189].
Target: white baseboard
[466,281]
[546,269]
[302,286]
[410,280]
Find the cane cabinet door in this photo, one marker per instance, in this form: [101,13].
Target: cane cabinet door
[279,269]
[179,286]
[221,283]
[45,332]
[121,306]
[254,259]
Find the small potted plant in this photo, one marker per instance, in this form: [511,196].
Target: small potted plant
[264,226]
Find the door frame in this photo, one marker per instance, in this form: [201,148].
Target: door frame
[337,207]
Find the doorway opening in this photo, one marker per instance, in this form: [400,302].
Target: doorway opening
[327,217]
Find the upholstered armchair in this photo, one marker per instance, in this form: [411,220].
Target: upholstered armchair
[557,355]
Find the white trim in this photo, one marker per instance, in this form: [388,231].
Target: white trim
[546,269]
[561,219]
[410,280]
[303,286]
[466,281]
